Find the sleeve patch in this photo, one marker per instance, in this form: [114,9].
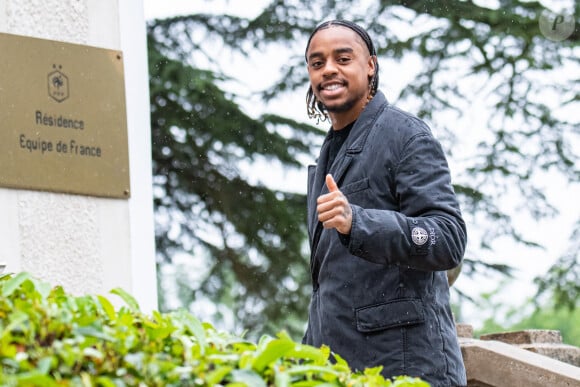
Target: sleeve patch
[419,236]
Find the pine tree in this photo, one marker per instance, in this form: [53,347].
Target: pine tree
[249,240]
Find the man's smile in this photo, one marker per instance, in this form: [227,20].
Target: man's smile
[331,88]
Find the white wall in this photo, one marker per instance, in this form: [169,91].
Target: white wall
[109,242]
[134,46]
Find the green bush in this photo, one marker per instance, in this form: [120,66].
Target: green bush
[51,338]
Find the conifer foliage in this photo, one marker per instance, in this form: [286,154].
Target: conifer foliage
[248,238]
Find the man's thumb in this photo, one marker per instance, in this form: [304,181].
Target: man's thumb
[331,184]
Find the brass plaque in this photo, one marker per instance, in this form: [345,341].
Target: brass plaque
[63,122]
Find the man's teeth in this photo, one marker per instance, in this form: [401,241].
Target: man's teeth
[332,87]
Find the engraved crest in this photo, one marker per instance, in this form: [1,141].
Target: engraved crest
[58,85]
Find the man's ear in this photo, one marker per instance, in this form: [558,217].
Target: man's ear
[372,65]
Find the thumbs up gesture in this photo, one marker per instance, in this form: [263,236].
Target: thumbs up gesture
[334,209]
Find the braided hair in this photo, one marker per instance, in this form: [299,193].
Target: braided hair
[314,107]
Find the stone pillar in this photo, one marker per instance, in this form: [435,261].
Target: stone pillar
[87,244]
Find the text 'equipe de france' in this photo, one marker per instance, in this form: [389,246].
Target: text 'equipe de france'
[61,146]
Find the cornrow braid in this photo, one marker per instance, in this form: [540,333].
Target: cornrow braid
[315,108]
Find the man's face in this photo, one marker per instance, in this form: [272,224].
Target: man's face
[339,67]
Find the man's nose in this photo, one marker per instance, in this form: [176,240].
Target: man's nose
[330,68]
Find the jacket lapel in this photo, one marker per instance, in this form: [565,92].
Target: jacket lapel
[356,140]
[340,166]
[316,186]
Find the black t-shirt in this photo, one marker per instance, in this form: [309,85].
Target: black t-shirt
[337,138]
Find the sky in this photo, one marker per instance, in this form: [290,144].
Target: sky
[553,233]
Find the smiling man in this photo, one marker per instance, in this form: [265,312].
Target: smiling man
[383,221]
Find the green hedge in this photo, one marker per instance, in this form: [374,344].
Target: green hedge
[51,338]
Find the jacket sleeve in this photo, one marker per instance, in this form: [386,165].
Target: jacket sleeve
[428,232]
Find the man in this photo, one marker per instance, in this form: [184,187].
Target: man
[383,221]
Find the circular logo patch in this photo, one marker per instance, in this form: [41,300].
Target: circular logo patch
[419,236]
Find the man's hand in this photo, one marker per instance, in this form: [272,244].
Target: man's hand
[333,208]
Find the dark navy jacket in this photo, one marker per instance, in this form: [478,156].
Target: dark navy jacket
[380,296]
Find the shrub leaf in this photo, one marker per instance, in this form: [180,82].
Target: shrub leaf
[129,299]
[14,283]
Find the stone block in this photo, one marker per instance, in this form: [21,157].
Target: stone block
[541,341]
[562,352]
[493,363]
[528,336]
[464,330]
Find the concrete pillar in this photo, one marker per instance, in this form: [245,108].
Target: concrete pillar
[103,243]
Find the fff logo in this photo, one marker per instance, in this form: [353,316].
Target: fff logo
[58,88]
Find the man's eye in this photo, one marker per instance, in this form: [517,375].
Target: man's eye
[316,64]
[343,59]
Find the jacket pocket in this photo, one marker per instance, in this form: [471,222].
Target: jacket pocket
[356,186]
[396,313]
